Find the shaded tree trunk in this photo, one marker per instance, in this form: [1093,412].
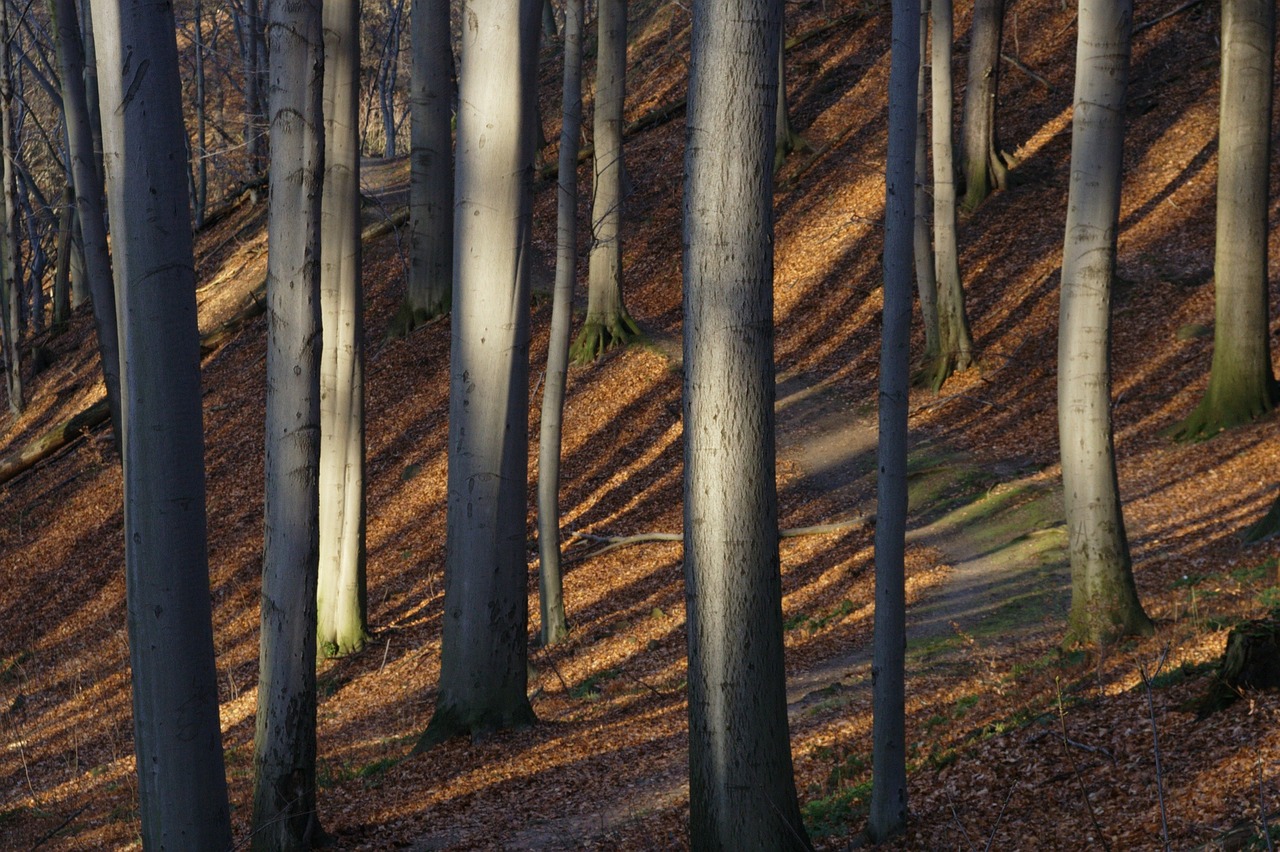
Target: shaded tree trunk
[981,161]
[1104,600]
[201,160]
[284,796]
[786,139]
[62,272]
[483,658]
[10,280]
[1242,386]
[926,276]
[742,792]
[550,583]
[182,789]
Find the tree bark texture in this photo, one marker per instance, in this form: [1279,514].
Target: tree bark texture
[284,798]
[888,816]
[1104,600]
[742,792]
[182,789]
[62,271]
[926,276]
[483,665]
[981,161]
[431,164]
[607,324]
[342,626]
[1242,386]
[10,281]
[550,581]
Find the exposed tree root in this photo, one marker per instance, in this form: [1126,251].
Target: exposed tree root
[794,143]
[601,334]
[933,373]
[450,721]
[1213,415]
[1266,527]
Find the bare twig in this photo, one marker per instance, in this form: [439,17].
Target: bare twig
[955,817]
[1178,11]
[50,834]
[1155,741]
[1084,793]
[999,817]
[1025,70]
[1262,809]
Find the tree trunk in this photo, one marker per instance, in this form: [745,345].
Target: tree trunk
[742,792]
[88,182]
[1104,600]
[786,139]
[202,162]
[253,96]
[1241,384]
[888,816]
[955,344]
[90,76]
[284,796]
[431,164]
[341,598]
[182,788]
[10,281]
[926,276]
[607,324]
[62,272]
[483,662]
[550,584]
[981,160]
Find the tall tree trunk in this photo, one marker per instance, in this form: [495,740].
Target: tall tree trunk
[1242,386]
[981,161]
[786,139]
[255,60]
[955,343]
[888,816]
[284,796]
[182,788]
[484,654]
[341,600]
[202,162]
[550,584]
[10,280]
[79,277]
[62,272]
[90,75]
[607,324]
[1104,600]
[742,792]
[926,275]
[88,182]
[431,165]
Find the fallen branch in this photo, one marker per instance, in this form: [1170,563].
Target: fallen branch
[1190,4]
[1025,70]
[53,440]
[613,542]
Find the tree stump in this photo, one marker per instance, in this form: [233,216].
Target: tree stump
[1251,659]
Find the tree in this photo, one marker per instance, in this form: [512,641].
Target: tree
[284,796]
[786,139]
[182,788]
[1104,600]
[342,627]
[484,654]
[741,789]
[431,166]
[926,275]
[10,280]
[607,324]
[982,162]
[1241,384]
[888,816]
[550,582]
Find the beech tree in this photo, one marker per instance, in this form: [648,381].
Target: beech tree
[284,795]
[1104,599]
[786,139]
[982,163]
[926,275]
[742,792]
[484,654]
[607,324]
[182,791]
[10,280]
[1242,386]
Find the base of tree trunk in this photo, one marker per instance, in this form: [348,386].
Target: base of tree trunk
[1212,416]
[450,722]
[1265,528]
[793,143]
[934,372]
[601,334]
[1251,660]
[330,649]
[407,320]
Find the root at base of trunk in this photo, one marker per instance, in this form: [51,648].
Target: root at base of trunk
[601,334]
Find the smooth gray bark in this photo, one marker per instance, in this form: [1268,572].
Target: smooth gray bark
[431,165]
[607,323]
[10,281]
[550,583]
[1242,386]
[926,276]
[742,792]
[182,790]
[62,271]
[888,815]
[982,163]
[1104,600]
[484,654]
[284,797]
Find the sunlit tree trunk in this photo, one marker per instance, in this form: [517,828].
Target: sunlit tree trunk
[1242,386]
[483,658]
[981,161]
[607,324]
[1104,600]
[182,791]
[742,792]
[284,797]
[550,583]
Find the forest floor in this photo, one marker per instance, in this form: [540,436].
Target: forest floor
[1013,741]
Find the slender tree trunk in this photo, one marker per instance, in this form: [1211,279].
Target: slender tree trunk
[926,277]
[607,324]
[786,139]
[10,280]
[341,600]
[284,796]
[1242,386]
[202,162]
[79,277]
[981,161]
[88,182]
[255,59]
[1104,600]
[888,816]
[62,272]
[955,343]
[483,660]
[90,76]
[550,584]
[431,164]
[182,788]
[742,792]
